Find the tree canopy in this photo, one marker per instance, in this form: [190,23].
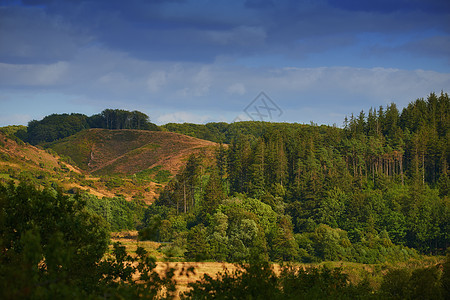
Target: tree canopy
[58,126]
[373,191]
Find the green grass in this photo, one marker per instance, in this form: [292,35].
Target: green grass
[5,176]
[148,173]
[156,174]
[163,176]
[79,150]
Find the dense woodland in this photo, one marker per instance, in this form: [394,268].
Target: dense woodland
[58,126]
[54,248]
[375,190]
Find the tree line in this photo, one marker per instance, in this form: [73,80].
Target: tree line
[58,126]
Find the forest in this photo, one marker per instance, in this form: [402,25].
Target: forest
[53,247]
[375,191]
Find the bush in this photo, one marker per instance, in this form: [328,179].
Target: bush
[422,283]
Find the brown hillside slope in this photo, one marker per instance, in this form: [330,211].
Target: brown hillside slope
[102,152]
[22,162]
[25,157]
[127,152]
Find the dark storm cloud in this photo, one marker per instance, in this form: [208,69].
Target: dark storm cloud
[387,6]
[204,30]
[30,35]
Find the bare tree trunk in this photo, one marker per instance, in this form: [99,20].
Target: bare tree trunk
[423,167]
[184,195]
[401,170]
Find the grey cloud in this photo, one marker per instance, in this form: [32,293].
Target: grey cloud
[388,6]
[435,46]
[29,35]
[190,31]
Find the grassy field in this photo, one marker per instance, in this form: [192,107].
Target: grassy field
[356,272]
[130,241]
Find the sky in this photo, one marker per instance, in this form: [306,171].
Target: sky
[205,61]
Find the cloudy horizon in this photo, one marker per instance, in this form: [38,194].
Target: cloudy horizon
[206,61]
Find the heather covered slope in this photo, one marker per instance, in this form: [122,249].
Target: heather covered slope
[104,163]
[16,156]
[23,162]
[126,152]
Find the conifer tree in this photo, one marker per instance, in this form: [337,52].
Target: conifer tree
[221,159]
[281,163]
[214,193]
[257,169]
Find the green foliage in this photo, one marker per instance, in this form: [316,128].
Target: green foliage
[331,244]
[326,243]
[119,213]
[162,176]
[241,227]
[53,248]
[152,229]
[156,174]
[282,242]
[445,278]
[218,238]
[214,193]
[121,119]
[54,235]
[184,190]
[54,127]
[375,191]
[197,246]
[16,132]
[258,280]
[58,126]
[113,182]
[422,283]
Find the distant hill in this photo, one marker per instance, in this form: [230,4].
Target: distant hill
[126,152]
[105,163]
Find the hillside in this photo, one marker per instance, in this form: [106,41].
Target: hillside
[127,152]
[18,156]
[134,164]
[23,162]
